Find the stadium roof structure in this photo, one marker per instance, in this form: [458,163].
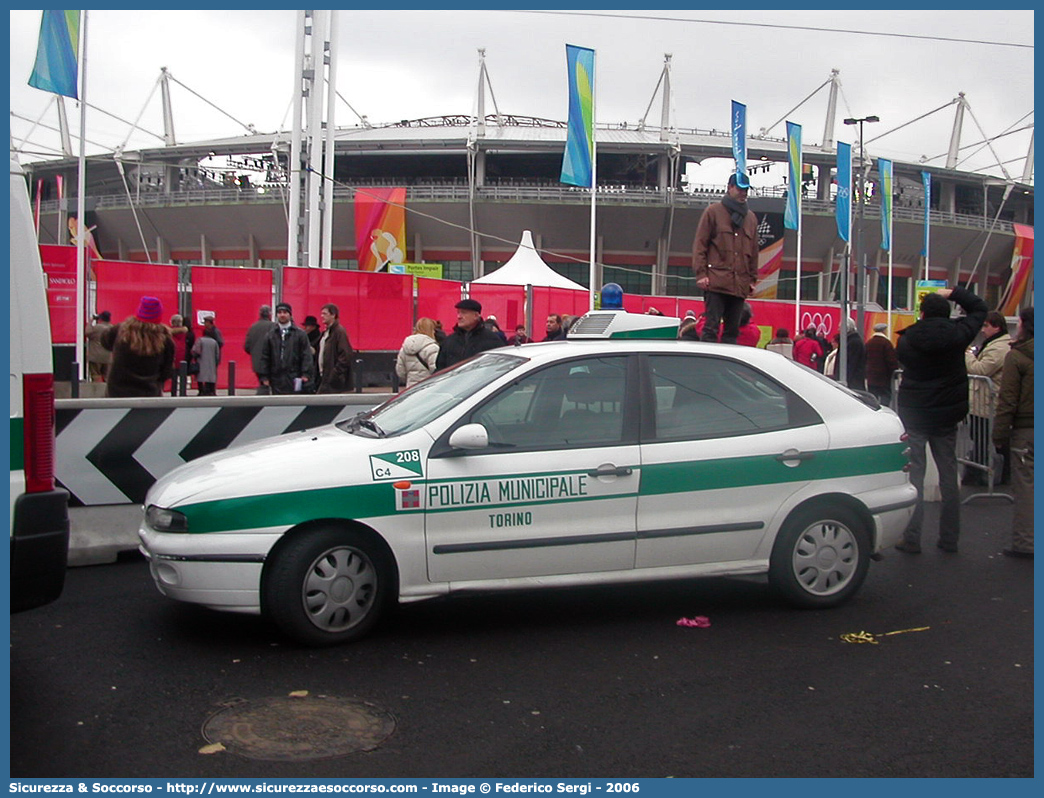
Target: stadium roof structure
[475,183]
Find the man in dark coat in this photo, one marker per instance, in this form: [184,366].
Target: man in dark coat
[469,337]
[335,353]
[286,358]
[881,363]
[855,359]
[554,328]
[255,338]
[933,400]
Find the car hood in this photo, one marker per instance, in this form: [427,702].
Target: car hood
[315,458]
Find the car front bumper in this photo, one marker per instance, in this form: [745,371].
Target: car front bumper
[220,571]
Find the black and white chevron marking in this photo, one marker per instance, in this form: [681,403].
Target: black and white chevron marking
[113,455]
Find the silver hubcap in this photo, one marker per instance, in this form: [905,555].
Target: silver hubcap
[825,557]
[339,589]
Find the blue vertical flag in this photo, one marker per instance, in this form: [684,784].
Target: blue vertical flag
[843,202]
[926,179]
[577,163]
[739,136]
[884,167]
[792,213]
[56,55]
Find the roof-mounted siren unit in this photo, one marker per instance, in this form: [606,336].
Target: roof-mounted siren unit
[619,324]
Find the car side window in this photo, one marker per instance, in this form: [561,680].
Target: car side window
[710,397]
[577,403]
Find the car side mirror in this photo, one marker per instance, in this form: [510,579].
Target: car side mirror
[470,436]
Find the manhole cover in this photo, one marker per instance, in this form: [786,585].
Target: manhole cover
[319,727]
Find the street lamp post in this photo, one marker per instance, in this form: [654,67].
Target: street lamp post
[860,253]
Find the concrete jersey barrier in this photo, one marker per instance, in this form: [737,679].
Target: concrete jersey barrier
[110,451]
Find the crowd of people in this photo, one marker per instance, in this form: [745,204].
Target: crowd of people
[141,355]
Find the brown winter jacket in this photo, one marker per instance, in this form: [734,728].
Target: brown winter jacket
[336,362]
[1015,401]
[881,361]
[726,255]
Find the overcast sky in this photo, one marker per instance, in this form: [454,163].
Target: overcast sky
[407,64]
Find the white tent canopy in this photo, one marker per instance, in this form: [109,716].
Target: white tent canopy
[526,267]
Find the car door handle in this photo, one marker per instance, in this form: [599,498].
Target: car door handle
[610,471]
[794,454]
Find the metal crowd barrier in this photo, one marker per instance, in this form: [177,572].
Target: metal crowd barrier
[975,448]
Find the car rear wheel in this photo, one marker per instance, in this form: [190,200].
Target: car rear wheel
[820,557]
[327,587]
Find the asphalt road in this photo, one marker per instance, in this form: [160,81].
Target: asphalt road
[114,680]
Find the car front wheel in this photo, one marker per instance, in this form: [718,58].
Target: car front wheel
[820,557]
[327,587]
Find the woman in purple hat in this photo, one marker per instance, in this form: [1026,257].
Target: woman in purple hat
[142,352]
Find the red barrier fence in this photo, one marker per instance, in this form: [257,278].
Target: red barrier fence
[59,264]
[121,285]
[435,300]
[377,309]
[233,296]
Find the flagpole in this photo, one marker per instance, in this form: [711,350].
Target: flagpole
[797,294]
[594,182]
[926,180]
[81,222]
[890,303]
[887,199]
[792,213]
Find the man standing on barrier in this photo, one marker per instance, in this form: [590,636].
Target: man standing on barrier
[286,358]
[933,400]
[725,259]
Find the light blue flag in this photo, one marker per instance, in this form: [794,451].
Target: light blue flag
[926,179]
[739,137]
[884,167]
[577,163]
[792,213]
[56,55]
[843,202]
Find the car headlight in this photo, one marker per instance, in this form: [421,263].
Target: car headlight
[163,520]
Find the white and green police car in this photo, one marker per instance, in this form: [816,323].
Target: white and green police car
[614,456]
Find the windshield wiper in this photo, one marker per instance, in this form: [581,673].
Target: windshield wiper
[360,419]
[371,425]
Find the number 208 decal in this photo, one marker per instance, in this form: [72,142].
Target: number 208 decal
[397,465]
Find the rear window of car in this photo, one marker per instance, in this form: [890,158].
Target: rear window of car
[707,397]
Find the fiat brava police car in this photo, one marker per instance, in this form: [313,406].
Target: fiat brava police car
[614,456]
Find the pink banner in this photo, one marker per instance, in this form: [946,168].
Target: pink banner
[380,228]
[59,263]
[1021,269]
[770,261]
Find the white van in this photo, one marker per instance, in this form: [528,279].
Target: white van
[39,512]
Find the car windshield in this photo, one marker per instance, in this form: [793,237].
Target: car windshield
[429,399]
